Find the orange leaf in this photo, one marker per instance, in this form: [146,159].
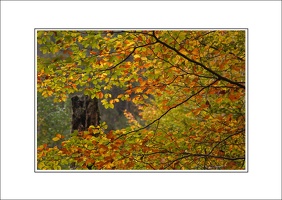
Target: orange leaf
[197,111]
[59,136]
[100,95]
[120,95]
[219,100]
[89,161]
[231,165]
[220,153]
[195,52]
[110,135]
[233,97]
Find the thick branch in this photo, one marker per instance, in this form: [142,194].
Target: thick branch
[197,63]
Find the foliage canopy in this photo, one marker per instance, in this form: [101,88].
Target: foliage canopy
[189,87]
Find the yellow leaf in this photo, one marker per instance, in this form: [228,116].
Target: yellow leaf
[138,90]
[136,56]
[145,96]
[183,51]
[57,168]
[55,139]
[79,39]
[44,94]
[40,165]
[108,95]
[64,98]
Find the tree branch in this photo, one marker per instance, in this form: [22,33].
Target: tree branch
[197,63]
[204,156]
[225,140]
[114,66]
[144,127]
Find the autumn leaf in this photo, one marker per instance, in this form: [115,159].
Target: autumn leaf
[57,137]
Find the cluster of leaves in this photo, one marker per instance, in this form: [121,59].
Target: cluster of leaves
[188,85]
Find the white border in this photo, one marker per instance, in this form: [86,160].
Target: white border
[18,20]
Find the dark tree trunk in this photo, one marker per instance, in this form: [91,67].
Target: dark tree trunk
[85,112]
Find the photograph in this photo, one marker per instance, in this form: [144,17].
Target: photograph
[141,99]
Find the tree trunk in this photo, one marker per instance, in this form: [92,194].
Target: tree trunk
[85,112]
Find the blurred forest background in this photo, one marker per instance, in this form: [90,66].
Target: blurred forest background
[55,117]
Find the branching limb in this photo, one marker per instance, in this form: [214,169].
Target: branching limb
[225,140]
[114,66]
[175,106]
[197,63]
[203,156]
